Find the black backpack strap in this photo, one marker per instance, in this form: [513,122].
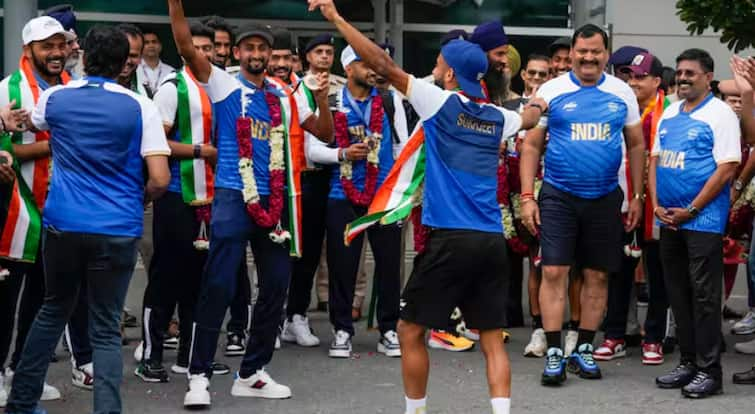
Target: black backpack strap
[390,110]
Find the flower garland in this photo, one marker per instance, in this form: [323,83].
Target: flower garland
[271,217]
[508,177]
[361,198]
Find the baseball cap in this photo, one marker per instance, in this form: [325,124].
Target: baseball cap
[489,35]
[645,64]
[560,43]
[250,30]
[64,14]
[624,55]
[43,27]
[469,64]
[349,56]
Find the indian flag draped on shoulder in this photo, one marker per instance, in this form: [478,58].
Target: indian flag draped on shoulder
[23,224]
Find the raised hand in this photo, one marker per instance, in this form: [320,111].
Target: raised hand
[327,8]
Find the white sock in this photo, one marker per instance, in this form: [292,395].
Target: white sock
[501,405]
[416,406]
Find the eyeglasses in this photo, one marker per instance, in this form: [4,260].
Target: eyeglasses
[532,72]
[634,76]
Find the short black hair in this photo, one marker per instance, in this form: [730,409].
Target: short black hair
[218,23]
[105,51]
[131,30]
[587,31]
[149,30]
[537,56]
[202,30]
[698,55]
[668,78]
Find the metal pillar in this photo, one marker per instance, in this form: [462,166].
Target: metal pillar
[397,29]
[15,15]
[380,26]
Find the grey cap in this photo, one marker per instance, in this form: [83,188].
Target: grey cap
[250,30]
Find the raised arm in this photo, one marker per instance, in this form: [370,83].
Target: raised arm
[198,64]
[370,53]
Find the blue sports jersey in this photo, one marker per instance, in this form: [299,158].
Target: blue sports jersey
[97,182]
[585,126]
[689,147]
[461,143]
[358,122]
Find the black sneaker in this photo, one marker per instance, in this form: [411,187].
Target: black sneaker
[129,320]
[702,386]
[678,377]
[151,372]
[220,369]
[235,346]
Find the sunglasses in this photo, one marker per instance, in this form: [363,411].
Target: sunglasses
[532,72]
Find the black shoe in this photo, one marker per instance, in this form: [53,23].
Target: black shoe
[746,378]
[729,313]
[235,346]
[702,386]
[669,344]
[643,295]
[151,372]
[129,320]
[220,369]
[678,377]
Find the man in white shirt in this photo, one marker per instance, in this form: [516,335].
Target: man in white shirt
[152,70]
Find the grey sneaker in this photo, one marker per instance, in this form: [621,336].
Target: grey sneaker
[341,345]
[745,326]
[388,345]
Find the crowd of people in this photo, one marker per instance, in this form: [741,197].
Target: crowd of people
[616,179]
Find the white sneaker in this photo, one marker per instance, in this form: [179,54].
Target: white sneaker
[83,376]
[341,345]
[198,394]
[278,342]
[49,393]
[259,385]
[537,346]
[3,391]
[745,326]
[570,343]
[177,369]
[746,347]
[389,345]
[139,352]
[298,331]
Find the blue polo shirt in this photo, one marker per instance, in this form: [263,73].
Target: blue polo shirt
[461,143]
[97,183]
[690,146]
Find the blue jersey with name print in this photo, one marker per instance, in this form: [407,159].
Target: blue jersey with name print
[585,126]
[461,143]
[358,116]
[689,147]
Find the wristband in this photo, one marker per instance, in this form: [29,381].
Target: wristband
[527,195]
[197,151]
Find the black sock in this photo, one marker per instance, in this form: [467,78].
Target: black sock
[574,325]
[585,337]
[537,322]
[553,339]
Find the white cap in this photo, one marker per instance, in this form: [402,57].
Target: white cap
[43,27]
[348,56]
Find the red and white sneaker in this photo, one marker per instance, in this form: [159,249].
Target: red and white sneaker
[610,349]
[652,354]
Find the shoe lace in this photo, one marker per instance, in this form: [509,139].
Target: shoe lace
[699,378]
[553,361]
[587,358]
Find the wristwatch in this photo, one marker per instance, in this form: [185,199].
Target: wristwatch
[197,151]
[692,210]
[738,185]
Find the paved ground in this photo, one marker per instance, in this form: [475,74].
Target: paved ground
[370,383]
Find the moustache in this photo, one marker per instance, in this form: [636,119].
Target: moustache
[588,62]
[684,82]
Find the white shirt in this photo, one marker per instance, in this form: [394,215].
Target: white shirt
[153,78]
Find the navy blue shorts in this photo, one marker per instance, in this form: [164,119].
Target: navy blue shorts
[580,231]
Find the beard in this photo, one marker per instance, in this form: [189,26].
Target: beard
[364,83]
[498,84]
[41,64]
[273,71]
[249,67]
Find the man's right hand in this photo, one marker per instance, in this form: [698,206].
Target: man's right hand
[327,8]
[358,151]
[531,216]
[7,175]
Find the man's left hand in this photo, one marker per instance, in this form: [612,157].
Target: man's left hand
[7,175]
[678,215]
[323,85]
[633,215]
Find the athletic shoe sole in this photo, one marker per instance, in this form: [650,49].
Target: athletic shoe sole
[81,385]
[197,401]
[574,368]
[337,353]
[177,369]
[148,379]
[611,357]
[235,352]
[290,340]
[432,343]
[697,396]
[553,380]
[245,391]
[747,331]
[652,362]
[393,353]
[534,354]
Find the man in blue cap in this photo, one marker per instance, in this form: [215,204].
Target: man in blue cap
[464,256]
[491,36]
[621,58]
[319,54]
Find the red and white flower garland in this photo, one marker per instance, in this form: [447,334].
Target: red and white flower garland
[341,125]
[271,217]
